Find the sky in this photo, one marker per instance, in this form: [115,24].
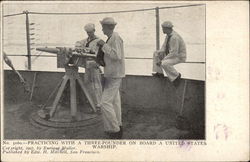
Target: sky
[133,27]
[138,29]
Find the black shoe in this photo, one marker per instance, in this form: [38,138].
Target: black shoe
[116,135]
[112,135]
[177,81]
[120,132]
[159,75]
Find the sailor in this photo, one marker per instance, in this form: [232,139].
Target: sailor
[114,71]
[92,75]
[172,52]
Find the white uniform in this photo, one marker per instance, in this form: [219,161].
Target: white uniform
[114,71]
[92,75]
[177,54]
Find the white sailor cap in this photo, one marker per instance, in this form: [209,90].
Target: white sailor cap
[89,27]
[167,24]
[108,21]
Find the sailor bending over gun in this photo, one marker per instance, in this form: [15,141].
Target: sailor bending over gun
[92,75]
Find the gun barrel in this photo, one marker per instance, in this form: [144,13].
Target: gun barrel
[84,55]
[49,50]
[73,52]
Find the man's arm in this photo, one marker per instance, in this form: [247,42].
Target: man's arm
[115,50]
[163,47]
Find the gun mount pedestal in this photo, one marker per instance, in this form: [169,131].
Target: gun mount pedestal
[64,117]
[73,77]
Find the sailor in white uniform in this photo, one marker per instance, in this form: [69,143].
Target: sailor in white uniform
[173,51]
[114,71]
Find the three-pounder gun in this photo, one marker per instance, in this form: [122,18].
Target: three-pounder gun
[83,52]
[71,58]
[70,53]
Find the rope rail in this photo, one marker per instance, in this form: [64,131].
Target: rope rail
[104,12]
[13,15]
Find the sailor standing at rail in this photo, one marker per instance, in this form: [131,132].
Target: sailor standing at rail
[114,71]
[173,51]
[92,75]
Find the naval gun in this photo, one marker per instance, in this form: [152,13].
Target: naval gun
[72,55]
[80,52]
[71,63]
